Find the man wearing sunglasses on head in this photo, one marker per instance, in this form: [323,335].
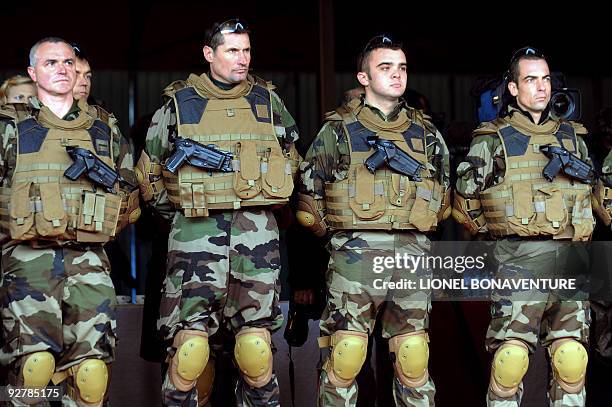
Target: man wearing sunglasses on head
[370,208]
[504,188]
[219,157]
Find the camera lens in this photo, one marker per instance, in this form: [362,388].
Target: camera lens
[562,105]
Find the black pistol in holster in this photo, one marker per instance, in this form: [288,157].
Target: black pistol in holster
[207,157]
[572,166]
[98,172]
[397,159]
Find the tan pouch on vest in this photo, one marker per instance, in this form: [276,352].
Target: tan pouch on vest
[22,218]
[246,181]
[277,178]
[193,199]
[555,217]
[523,220]
[424,212]
[365,203]
[399,190]
[98,216]
[583,227]
[52,219]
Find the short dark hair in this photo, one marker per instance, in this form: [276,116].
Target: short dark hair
[376,42]
[525,53]
[34,49]
[215,34]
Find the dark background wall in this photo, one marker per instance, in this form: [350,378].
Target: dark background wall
[136,49]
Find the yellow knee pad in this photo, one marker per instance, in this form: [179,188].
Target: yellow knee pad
[37,369]
[91,379]
[510,364]
[254,356]
[569,360]
[190,359]
[411,357]
[349,350]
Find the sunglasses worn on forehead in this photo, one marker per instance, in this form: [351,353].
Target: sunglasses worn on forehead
[526,51]
[380,41]
[234,25]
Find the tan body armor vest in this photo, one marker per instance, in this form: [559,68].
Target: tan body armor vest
[244,126]
[384,200]
[527,204]
[40,202]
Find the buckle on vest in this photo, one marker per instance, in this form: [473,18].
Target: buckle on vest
[231,112]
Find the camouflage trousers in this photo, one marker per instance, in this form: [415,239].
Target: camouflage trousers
[60,300]
[536,317]
[356,293]
[222,269]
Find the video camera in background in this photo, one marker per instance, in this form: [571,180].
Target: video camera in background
[492,98]
[565,103]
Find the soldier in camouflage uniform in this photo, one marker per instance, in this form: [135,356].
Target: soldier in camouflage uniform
[501,190]
[223,249]
[602,200]
[371,214]
[58,301]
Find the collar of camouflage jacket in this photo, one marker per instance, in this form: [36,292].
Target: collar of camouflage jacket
[205,87]
[544,117]
[374,118]
[522,121]
[78,117]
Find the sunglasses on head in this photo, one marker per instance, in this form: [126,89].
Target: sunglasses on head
[380,41]
[526,51]
[234,25]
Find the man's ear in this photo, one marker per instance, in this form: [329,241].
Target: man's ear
[32,73]
[363,78]
[209,53]
[513,88]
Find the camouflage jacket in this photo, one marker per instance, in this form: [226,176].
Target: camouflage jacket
[122,151]
[485,165]
[606,169]
[163,128]
[328,159]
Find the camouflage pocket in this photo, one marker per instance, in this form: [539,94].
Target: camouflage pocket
[21,215]
[247,182]
[277,178]
[51,219]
